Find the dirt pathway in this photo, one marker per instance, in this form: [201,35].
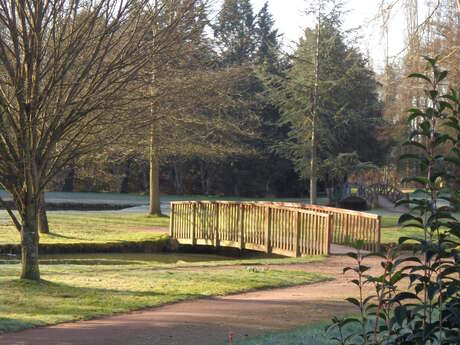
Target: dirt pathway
[209,321]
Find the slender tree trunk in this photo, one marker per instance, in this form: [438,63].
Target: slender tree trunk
[124,186]
[29,241]
[177,180]
[43,226]
[69,180]
[154,208]
[145,182]
[203,177]
[116,173]
[314,146]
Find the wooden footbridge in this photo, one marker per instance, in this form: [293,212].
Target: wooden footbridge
[289,229]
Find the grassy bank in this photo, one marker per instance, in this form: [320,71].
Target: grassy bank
[157,261]
[87,287]
[90,227]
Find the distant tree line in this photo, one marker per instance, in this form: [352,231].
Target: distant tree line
[233,112]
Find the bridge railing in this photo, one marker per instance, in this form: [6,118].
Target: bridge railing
[291,229]
[267,227]
[349,226]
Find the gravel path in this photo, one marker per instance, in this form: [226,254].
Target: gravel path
[209,321]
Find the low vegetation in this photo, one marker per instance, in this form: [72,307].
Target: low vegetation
[83,287]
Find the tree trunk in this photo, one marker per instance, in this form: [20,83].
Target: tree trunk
[145,179]
[116,173]
[314,148]
[124,187]
[154,158]
[43,226]
[29,242]
[177,180]
[69,180]
[154,208]
[203,177]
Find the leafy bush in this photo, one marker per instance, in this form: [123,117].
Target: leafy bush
[417,298]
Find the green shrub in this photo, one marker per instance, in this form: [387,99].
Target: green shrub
[417,298]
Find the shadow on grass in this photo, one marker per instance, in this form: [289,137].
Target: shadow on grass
[55,235]
[58,302]
[10,324]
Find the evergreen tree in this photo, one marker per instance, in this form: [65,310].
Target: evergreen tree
[266,36]
[235,32]
[343,91]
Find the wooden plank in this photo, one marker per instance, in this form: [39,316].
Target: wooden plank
[254,246]
[225,243]
[216,225]
[194,224]
[329,234]
[184,241]
[241,226]
[204,242]
[284,252]
[297,234]
[267,228]
[171,221]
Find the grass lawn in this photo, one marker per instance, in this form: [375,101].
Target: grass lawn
[308,335]
[82,287]
[391,231]
[84,227]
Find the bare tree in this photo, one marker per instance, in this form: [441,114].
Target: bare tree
[66,67]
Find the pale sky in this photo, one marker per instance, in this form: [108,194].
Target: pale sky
[290,21]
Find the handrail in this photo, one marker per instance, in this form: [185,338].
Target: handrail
[285,228]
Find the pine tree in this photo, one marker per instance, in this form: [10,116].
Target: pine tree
[266,36]
[235,32]
[333,102]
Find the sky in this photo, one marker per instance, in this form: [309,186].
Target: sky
[291,20]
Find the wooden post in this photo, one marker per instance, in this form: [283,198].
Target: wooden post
[216,225]
[329,233]
[379,230]
[268,215]
[347,230]
[171,220]
[241,226]
[193,224]
[296,234]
